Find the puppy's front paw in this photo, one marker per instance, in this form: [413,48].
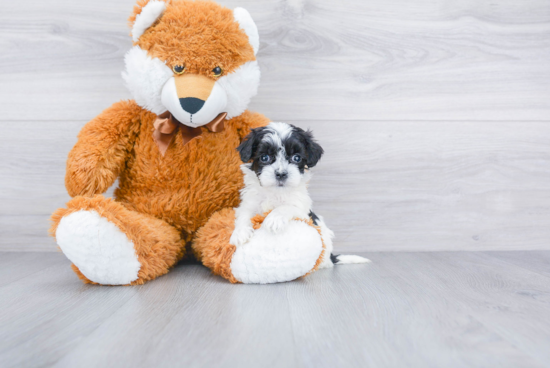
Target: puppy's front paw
[275,223]
[241,235]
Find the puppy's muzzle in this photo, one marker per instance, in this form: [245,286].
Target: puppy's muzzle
[281,175]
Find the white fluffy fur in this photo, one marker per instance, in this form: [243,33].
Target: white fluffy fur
[149,14]
[242,16]
[98,248]
[285,256]
[240,86]
[152,86]
[262,193]
[285,203]
[145,77]
[279,131]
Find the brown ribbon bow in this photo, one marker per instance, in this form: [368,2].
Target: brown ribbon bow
[166,127]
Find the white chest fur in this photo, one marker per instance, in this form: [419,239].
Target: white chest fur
[260,199]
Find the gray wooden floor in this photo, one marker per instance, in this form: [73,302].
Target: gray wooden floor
[431,309]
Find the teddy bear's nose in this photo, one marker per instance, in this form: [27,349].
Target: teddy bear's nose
[191,104]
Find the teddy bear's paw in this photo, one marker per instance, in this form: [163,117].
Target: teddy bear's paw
[284,256]
[100,250]
[241,235]
[275,222]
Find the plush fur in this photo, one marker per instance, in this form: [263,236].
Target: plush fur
[114,263]
[259,260]
[157,245]
[199,36]
[265,258]
[211,244]
[166,205]
[276,174]
[147,16]
[248,26]
[276,178]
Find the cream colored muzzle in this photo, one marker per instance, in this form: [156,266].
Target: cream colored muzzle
[193,99]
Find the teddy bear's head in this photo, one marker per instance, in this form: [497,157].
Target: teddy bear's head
[195,59]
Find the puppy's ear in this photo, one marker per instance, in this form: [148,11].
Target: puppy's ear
[249,145]
[313,150]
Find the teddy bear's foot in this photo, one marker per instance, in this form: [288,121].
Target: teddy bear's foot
[112,245]
[101,252]
[283,256]
[295,251]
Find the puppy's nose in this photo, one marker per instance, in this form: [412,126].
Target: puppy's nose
[281,175]
[191,104]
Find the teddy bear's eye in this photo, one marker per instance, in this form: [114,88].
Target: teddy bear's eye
[217,71]
[179,69]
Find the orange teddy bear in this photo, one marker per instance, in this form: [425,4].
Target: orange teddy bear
[192,72]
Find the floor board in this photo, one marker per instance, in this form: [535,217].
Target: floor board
[18,265]
[427,309]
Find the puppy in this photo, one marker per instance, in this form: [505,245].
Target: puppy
[277,159]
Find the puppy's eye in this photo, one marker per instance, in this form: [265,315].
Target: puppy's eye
[264,158]
[296,159]
[217,71]
[179,69]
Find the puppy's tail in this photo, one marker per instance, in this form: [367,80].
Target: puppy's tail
[347,259]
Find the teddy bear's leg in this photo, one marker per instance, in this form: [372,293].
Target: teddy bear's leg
[112,245]
[266,258]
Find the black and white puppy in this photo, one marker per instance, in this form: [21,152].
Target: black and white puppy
[277,159]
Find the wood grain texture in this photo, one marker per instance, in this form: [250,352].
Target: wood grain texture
[434,185]
[380,186]
[427,309]
[434,115]
[320,59]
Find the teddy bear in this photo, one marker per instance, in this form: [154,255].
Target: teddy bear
[192,71]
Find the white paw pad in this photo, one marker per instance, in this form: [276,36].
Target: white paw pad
[99,249]
[275,223]
[284,256]
[241,235]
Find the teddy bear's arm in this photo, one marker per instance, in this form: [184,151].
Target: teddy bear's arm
[102,148]
[249,120]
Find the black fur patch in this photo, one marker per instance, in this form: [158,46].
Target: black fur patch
[314,218]
[299,142]
[248,147]
[334,258]
[312,149]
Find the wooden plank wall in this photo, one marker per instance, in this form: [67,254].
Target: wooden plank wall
[435,115]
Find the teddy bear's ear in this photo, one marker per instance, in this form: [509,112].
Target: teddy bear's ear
[145,15]
[242,16]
